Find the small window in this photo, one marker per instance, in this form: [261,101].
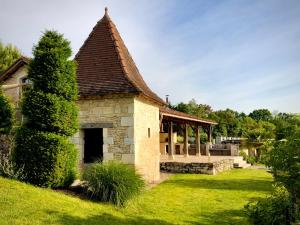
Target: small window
[149,133]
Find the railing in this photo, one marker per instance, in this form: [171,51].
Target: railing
[219,149]
[205,149]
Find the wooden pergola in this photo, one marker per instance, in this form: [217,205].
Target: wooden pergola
[171,117]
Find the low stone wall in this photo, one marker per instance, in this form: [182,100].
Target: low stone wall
[210,168]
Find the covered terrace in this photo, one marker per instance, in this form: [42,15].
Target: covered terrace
[170,119]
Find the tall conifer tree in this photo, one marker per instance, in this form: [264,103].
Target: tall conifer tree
[43,146]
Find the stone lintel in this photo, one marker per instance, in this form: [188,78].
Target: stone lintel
[96,125]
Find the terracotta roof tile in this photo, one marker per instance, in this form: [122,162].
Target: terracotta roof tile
[105,65]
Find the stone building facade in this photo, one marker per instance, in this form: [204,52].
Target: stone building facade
[120,117]
[130,130]
[118,113]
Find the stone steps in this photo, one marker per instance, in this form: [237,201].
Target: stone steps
[241,164]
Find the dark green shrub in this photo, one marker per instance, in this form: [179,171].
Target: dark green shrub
[50,104]
[60,112]
[47,159]
[112,182]
[277,209]
[284,161]
[6,144]
[43,147]
[6,114]
[243,154]
[252,160]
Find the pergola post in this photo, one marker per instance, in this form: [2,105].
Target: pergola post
[198,152]
[186,141]
[208,144]
[170,141]
[209,134]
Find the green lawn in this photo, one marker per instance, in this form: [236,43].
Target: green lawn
[183,199]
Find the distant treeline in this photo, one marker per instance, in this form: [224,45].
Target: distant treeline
[258,125]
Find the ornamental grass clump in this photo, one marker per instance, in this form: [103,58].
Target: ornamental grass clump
[112,182]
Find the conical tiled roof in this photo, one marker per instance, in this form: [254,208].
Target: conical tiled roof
[105,66]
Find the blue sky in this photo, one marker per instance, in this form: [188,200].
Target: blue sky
[241,54]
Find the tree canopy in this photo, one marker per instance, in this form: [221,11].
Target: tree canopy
[261,114]
[257,126]
[8,54]
[193,108]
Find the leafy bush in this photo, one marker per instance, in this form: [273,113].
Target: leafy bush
[250,159]
[6,114]
[42,144]
[48,159]
[6,144]
[112,182]
[180,139]
[242,153]
[276,209]
[284,161]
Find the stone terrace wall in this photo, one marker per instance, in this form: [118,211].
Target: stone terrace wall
[210,168]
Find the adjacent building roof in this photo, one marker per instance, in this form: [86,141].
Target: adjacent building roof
[106,66]
[14,67]
[171,113]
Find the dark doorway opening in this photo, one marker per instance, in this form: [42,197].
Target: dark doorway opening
[93,145]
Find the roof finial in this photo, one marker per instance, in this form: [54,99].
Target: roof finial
[106,11]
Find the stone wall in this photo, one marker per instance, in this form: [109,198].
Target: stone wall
[146,135]
[14,93]
[126,120]
[211,168]
[132,138]
[116,110]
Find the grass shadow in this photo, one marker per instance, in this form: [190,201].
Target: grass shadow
[233,184]
[225,217]
[103,219]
